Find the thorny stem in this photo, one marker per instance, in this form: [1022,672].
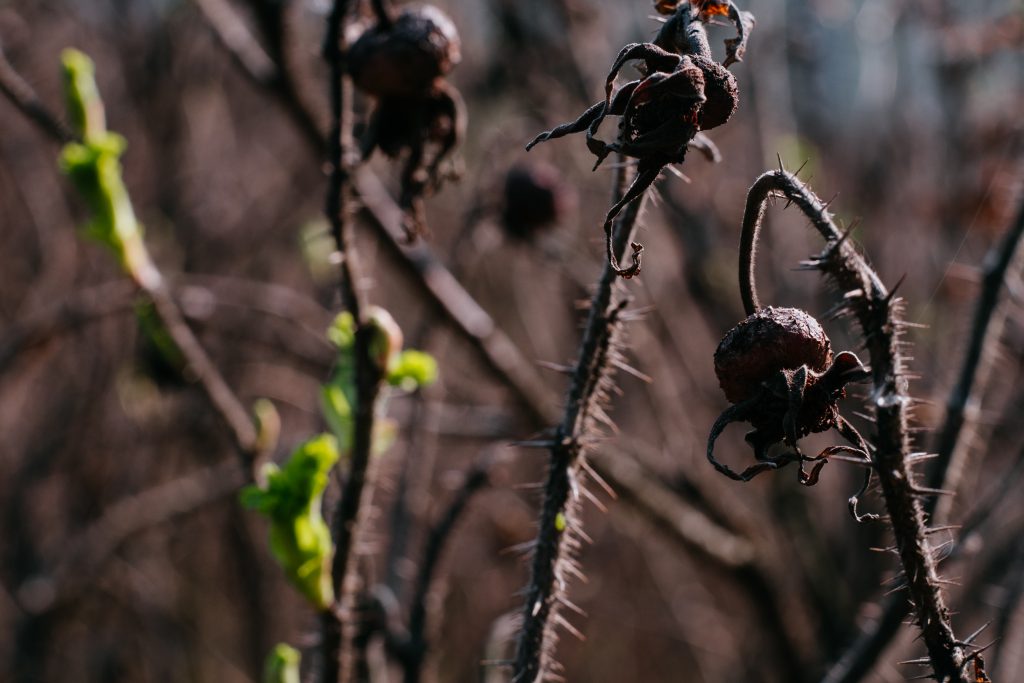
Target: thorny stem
[986,327]
[557,538]
[875,309]
[204,372]
[339,627]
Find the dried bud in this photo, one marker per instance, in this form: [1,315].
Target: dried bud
[406,58]
[721,91]
[535,198]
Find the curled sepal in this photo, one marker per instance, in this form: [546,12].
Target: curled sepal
[282,665]
[736,47]
[299,538]
[736,413]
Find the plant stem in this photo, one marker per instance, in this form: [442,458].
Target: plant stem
[874,308]
[557,538]
[339,628]
[989,318]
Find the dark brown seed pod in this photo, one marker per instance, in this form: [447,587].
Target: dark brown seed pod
[721,91]
[535,197]
[776,368]
[768,341]
[406,58]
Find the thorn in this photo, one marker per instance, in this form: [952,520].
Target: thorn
[571,605]
[593,499]
[557,367]
[796,173]
[598,479]
[892,292]
[564,623]
[629,369]
[969,639]
[518,548]
[926,491]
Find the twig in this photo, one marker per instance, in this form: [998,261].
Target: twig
[557,536]
[873,305]
[24,97]
[989,318]
[986,328]
[69,313]
[152,283]
[415,648]
[338,640]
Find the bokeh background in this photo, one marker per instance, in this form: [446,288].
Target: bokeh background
[908,113]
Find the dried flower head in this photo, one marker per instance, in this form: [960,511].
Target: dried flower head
[402,62]
[406,57]
[535,197]
[682,92]
[777,369]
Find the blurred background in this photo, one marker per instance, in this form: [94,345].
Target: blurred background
[908,113]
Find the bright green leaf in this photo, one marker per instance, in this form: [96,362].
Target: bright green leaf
[299,538]
[282,665]
[412,369]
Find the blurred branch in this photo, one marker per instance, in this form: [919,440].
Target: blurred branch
[414,649]
[70,312]
[81,558]
[214,387]
[23,96]
[986,328]
[859,658]
[249,55]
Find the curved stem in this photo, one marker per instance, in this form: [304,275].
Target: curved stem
[875,309]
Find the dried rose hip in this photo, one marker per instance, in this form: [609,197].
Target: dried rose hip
[535,197]
[407,57]
[777,369]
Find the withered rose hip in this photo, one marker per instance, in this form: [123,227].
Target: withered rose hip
[777,369]
[535,197]
[770,340]
[406,58]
